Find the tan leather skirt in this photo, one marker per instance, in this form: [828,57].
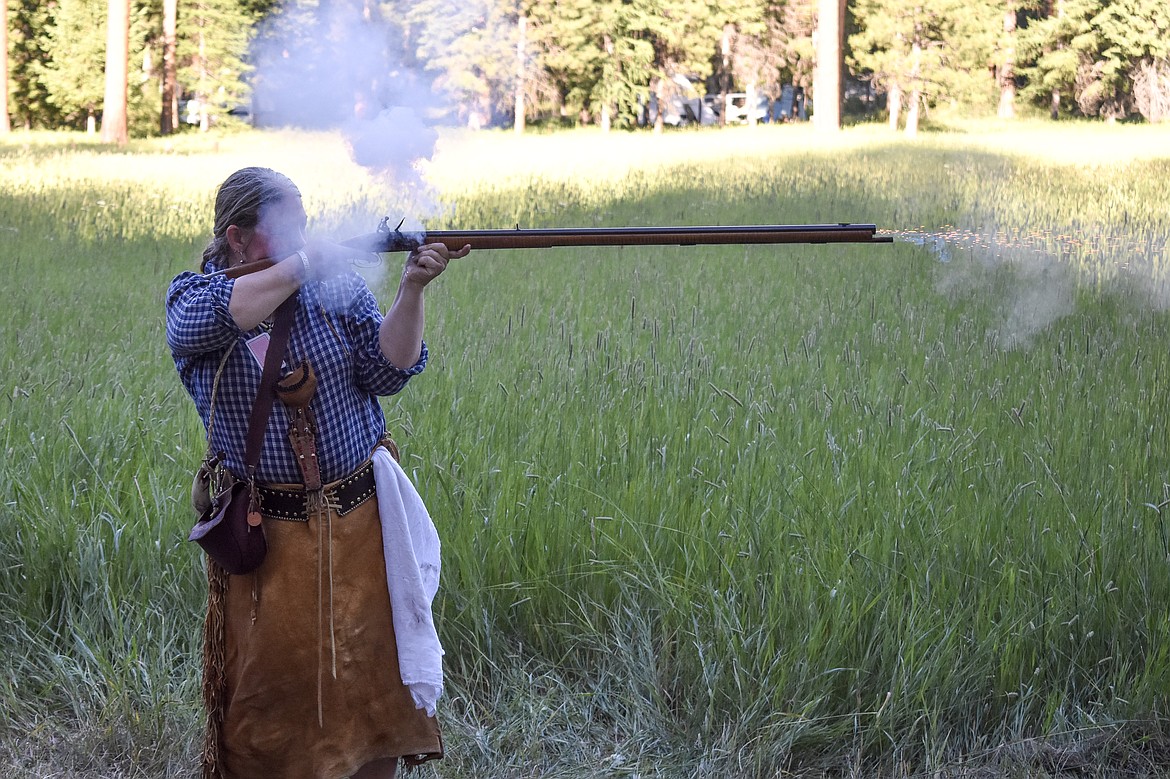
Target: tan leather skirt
[301,670]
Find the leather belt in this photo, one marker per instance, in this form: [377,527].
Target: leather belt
[345,496]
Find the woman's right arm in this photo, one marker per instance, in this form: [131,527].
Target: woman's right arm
[258,294]
[198,319]
[207,312]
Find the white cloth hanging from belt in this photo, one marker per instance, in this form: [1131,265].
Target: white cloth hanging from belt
[411,546]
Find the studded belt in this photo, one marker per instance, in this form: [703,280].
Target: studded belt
[345,496]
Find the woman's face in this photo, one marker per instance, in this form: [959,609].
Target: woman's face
[279,232]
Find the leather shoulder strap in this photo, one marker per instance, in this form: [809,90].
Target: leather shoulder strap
[262,408]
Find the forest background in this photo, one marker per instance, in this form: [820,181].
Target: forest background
[146,67]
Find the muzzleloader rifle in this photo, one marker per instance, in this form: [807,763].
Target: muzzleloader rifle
[385,239]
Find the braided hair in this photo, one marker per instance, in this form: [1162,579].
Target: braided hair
[239,201]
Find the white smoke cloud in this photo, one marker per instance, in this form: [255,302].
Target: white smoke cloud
[340,66]
[394,140]
[1041,291]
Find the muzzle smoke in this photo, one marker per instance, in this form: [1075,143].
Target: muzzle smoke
[1047,270]
[341,67]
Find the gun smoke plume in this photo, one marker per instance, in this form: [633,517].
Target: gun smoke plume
[340,66]
[1042,293]
[1047,270]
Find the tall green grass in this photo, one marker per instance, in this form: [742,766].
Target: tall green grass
[705,511]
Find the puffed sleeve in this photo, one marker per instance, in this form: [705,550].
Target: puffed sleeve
[198,320]
[375,373]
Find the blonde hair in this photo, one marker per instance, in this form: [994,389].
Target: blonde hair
[238,201]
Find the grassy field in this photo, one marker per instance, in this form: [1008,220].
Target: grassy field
[893,510]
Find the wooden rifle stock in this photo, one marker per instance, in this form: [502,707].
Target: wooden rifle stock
[394,240]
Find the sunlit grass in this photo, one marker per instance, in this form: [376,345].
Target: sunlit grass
[705,511]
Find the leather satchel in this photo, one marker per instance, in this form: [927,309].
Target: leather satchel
[230,530]
[227,533]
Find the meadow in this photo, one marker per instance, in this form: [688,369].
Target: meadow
[886,510]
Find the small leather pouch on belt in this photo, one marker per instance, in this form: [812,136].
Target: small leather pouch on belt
[296,390]
[390,445]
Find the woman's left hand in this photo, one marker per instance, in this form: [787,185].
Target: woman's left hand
[424,264]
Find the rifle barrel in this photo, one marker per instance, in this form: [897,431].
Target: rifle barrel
[392,240]
[387,240]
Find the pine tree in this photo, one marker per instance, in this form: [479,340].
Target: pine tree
[213,37]
[73,71]
[686,36]
[29,23]
[1094,50]
[597,56]
[469,48]
[764,50]
[927,50]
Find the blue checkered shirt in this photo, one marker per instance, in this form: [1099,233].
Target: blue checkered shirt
[336,329]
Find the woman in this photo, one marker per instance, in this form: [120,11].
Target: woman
[301,672]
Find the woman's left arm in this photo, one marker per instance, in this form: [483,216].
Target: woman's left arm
[401,333]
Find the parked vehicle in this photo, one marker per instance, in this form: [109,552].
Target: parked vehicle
[191,112]
[738,111]
[790,106]
[682,105]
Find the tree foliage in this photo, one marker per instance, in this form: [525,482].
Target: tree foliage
[30,102]
[773,45]
[1094,50]
[594,61]
[468,47]
[598,54]
[930,50]
[73,69]
[212,46]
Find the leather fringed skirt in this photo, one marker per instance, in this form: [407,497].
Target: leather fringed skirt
[301,675]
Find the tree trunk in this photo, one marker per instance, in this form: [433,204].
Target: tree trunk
[659,95]
[1057,10]
[827,73]
[5,122]
[169,119]
[607,88]
[114,125]
[913,108]
[725,52]
[1007,70]
[202,88]
[521,46]
[894,104]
